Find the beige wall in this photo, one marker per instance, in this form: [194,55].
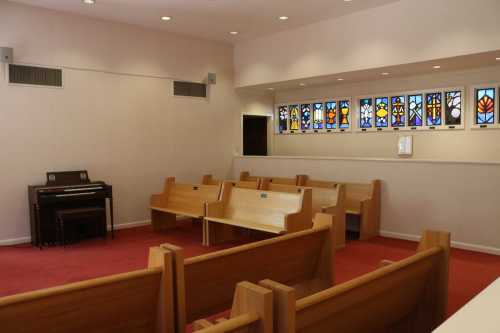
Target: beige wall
[125,129]
[402,32]
[467,145]
[459,197]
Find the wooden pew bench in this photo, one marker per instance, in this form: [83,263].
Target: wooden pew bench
[327,197]
[181,200]
[270,212]
[251,184]
[363,201]
[140,301]
[408,296]
[245,176]
[205,284]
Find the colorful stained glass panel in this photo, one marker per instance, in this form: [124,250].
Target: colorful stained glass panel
[283,118]
[453,108]
[382,112]
[331,115]
[305,116]
[344,114]
[433,109]
[294,117]
[485,106]
[398,111]
[365,112]
[415,110]
[318,116]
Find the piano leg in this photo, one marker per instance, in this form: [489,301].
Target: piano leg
[38,228]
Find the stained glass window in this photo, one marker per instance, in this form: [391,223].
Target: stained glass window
[453,108]
[294,117]
[365,112]
[331,115]
[344,113]
[398,111]
[485,106]
[381,112]
[283,118]
[415,110]
[305,116]
[433,109]
[318,115]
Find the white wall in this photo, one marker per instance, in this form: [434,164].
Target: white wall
[402,32]
[458,197]
[125,129]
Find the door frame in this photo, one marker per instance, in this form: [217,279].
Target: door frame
[270,130]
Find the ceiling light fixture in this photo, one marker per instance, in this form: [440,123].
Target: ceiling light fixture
[385,73]
[166,18]
[271,88]
[233,32]
[340,79]
[498,58]
[302,84]
[283,18]
[89,2]
[436,67]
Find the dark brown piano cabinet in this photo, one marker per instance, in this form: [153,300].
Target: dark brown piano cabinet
[64,190]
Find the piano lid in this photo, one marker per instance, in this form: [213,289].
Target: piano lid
[65,178]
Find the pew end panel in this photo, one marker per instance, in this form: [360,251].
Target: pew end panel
[252,312]
[363,200]
[139,301]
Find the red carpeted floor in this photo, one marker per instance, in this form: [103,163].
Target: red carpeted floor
[24,268]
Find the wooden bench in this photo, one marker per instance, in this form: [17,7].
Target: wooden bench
[270,212]
[402,297]
[251,184]
[251,312]
[363,200]
[140,301]
[181,200]
[327,197]
[205,284]
[245,176]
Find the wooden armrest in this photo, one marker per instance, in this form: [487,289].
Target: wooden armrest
[201,324]
[156,199]
[332,209]
[295,222]
[385,263]
[215,209]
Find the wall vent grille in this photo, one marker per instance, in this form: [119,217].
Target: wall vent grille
[39,76]
[190,89]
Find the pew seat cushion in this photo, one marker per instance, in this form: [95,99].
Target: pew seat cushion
[249,225]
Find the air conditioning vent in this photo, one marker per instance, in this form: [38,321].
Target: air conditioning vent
[39,76]
[191,89]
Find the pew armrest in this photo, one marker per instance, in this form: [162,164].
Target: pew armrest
[215,209]
[156,200]
[296,222]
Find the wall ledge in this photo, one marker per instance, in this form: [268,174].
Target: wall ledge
[370,159]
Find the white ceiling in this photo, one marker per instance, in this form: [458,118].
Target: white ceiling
[213,19]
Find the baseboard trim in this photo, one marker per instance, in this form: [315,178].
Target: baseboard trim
[25,240]
[454,244]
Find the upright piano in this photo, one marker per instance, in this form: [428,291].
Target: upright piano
[64,190]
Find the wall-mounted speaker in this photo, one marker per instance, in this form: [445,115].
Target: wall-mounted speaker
[6,55]
[212,78]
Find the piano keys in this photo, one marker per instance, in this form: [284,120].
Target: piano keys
[64,190]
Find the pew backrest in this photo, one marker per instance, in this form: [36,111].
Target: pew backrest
[139,301]
[245,176]
[185,199]
[205,284]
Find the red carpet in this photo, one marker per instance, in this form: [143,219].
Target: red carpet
[24,268]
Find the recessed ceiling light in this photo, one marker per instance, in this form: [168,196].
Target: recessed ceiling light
[340,79]
[347,0]
[270,88]
[89,2]
[233,32]
[283,18]
[302,84]
[436,67]
[166,18]
[385,73]
[498,58]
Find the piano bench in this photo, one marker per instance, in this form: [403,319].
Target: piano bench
[65,216]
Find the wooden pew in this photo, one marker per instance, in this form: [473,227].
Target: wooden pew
[252,312]
[140,301]
[327,197]
[409,296]
[245,176]
[251,184]
[205,284]
[181,200]
[270,212]
[363,200]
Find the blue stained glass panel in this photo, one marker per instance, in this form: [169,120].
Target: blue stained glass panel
[318,116]
[283,118]
[415,110]
[433,109]
[485,106]
[331,115]
[344,114]
[365,112]
[305,116]
[382,112]
[398,111]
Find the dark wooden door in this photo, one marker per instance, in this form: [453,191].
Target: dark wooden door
[255,135]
